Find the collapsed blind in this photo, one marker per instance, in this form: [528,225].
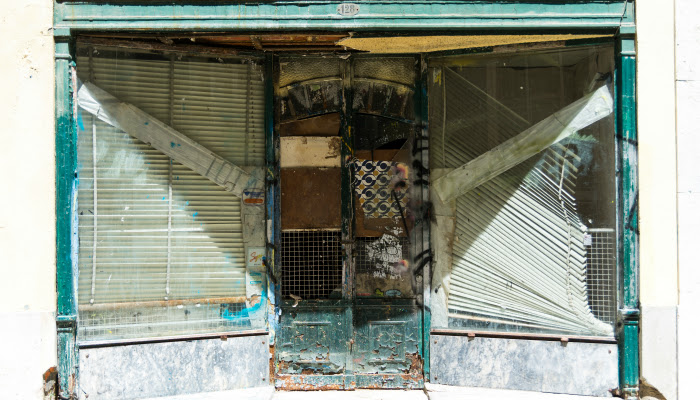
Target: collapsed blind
[520,259]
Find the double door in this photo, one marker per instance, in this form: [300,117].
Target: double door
[352,247]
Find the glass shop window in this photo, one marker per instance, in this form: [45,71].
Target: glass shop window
[168,246]
[522,159]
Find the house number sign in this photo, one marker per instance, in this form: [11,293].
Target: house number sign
[348,9]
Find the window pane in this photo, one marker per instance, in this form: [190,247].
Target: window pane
[163,249]
[525,145]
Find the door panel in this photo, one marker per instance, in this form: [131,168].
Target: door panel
[387,341]
[314,342]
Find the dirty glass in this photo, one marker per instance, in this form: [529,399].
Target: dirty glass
[382,175]
[384,86]
[308,86]
[165,251]
[523,188]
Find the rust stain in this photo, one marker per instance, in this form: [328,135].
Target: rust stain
[300,382]
[416,364]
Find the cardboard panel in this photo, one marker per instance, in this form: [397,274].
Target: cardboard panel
[302,151]
[322,125]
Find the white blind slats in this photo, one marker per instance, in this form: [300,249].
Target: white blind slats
[157,223]
[518,252]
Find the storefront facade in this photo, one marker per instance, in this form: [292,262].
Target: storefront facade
[336,196]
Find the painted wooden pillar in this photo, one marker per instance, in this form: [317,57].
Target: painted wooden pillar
[628,232]
[66,218]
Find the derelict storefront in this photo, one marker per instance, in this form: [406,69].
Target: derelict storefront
[281,195]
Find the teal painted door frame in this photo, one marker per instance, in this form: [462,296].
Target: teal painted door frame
[448,17]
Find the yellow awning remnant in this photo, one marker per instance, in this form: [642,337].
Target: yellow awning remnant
[426,44]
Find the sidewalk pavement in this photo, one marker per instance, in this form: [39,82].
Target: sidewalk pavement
[432,392]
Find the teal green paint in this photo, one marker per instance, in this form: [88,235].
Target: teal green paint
[628,232]
[387,333]
[66,228]
[307,15]
[315,340]
[313,337]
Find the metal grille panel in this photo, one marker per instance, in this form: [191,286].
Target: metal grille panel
[601,274]
[312,264]
[133,323]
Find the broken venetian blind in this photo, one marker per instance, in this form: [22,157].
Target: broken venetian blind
[522,174]
[162,250]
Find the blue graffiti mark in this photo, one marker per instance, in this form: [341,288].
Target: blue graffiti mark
[195,214]
[145,123]
[172,144]
[163,197]
[80,122]
[248,311]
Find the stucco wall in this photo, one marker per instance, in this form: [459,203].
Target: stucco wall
[688,120]
[657,195]
[27,251]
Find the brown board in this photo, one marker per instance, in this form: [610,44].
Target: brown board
[310,198]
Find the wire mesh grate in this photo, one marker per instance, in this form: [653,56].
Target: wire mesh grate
[601,274]
[312,264]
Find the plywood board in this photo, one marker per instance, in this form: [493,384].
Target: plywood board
[310,198]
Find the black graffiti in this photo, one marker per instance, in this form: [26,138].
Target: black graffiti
[420,212]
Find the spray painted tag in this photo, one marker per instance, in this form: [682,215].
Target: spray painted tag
[254,256]
[348,9]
